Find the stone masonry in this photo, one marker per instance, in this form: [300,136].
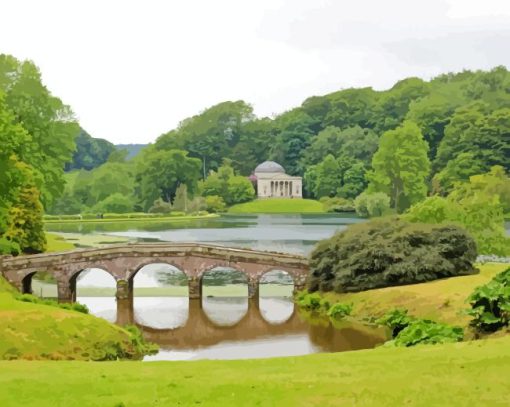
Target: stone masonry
[124,261]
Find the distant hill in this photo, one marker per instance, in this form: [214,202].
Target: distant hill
[133,149]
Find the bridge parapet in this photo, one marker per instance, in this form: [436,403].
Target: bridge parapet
[124,261]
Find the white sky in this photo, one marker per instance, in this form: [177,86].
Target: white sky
[132,70]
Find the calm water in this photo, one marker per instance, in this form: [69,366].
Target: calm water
[233,328]
[222,327]
[285,233]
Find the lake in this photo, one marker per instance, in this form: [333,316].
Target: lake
[224,324]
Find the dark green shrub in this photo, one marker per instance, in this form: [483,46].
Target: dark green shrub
[389,252]
[490,304]
[339,311]
[423,331]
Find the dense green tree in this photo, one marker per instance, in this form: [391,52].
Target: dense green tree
[210,135]
[90,152]
[401,166]
[329,178]
[457,170]
[115,203]
[49,123]
[295,132]
[477,130]
[160,172]
[354,181]
[240,189]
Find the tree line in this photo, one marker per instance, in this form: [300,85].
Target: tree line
[377,150]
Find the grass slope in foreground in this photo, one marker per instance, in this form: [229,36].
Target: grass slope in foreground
[36,331]
[462,374]
[279,206]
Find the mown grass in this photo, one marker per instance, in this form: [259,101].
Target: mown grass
[279,206]
[463,374]
[440,300]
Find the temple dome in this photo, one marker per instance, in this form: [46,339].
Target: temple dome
[269,167]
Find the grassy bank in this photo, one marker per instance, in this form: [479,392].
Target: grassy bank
[441,300]
[471,373]
[279,206]
[133,219]
[36,331]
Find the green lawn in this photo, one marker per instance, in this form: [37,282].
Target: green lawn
[279,206]
[463,374]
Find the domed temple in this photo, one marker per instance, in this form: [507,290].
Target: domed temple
[272,182]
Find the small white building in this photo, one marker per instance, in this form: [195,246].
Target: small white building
[272,182]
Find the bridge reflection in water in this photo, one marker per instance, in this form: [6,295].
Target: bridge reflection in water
[228,328]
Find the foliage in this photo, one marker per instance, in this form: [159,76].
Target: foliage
[372,204]
[388,252]
[490,304]
[337,204]
[90,152]
[233,189]
[396,319]
[49,125]
[401,166]
[410,331]
[339,311]
[422,331]
[160,172]
[160,206]
[116,203]
[312,301]
[476,206]
[215,204]
[328,177]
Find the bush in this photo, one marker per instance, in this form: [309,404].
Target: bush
[215,203]
[116,203]
[389,252]
[409,331]
[490,304]
[310,302]
[339,311]
[372,205]
[423,331]
[396,320]
[337,204]
[160,206]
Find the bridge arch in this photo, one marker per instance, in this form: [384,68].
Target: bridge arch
[27,286]
[100,270]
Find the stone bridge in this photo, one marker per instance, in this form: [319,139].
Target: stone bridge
[124,261]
